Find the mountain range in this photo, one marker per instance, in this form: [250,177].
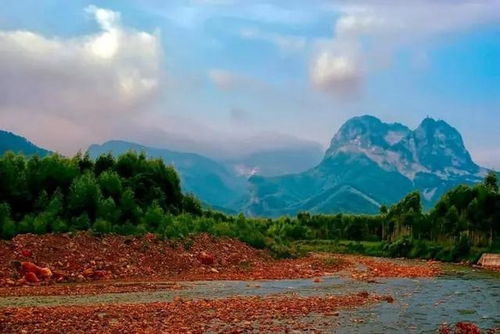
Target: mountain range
[368,163]
[12,142]
[208,179]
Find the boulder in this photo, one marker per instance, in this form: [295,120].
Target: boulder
[206,258]
[31,277]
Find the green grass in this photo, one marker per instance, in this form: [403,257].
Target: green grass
[373,248]
[420,249]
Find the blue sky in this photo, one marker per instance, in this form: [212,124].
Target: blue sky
[214,76]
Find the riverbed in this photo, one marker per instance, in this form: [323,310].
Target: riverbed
[420,305]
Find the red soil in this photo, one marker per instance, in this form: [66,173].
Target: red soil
[231,315]
[82,257]
[385,268]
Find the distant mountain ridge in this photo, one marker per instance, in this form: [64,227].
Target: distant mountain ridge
[275,162]
[212,182]
[17,144]
[370,163]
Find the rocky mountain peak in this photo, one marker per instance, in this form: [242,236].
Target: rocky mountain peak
[439,147]
[366,132]
[433,147]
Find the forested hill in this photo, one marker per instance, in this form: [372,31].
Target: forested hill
[18,144]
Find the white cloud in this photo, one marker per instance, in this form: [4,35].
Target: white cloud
[336,73]
[84,82]
[368,32]
[230,80]
[224,79]
[286,43]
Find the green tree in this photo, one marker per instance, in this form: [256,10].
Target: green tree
[491,182]
[7,226]
[84,196]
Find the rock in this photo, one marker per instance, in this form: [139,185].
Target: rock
[206,258]
[88,272]
[26,253]
[363,294]
[31,277]
[28,267]
[101,315]
[99,274]
[10,282]
[45,273]
[389,299]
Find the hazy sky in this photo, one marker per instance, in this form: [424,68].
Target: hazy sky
[219,75]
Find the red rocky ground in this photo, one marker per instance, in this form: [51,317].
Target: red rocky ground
[230,315]
[82,257]
[114,264]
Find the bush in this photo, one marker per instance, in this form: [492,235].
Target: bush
[58,226]
[400,247]
[420,249]
[461,248]
[80,223]
[26,225]
[8,229]
[102,226]
[40,224]
[125,229]
[281,250]
[222,229]
[355,248]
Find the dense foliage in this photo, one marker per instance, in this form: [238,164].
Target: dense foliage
[58,194]
[131,194]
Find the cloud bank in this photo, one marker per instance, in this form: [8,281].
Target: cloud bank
[368,33]
[83,87]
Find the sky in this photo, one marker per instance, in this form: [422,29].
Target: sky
[227,77]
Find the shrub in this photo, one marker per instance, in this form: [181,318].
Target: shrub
[461,248]
[102,226]
[8,229]
[58,226]
[26,225]
[400,247]
[40,224]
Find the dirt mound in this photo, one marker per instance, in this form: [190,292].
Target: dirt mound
[82,256]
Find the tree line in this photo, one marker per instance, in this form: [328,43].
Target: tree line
[132,194]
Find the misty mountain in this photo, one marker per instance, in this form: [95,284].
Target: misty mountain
[17,144]
[370,163]
[278,161]
[210,181]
